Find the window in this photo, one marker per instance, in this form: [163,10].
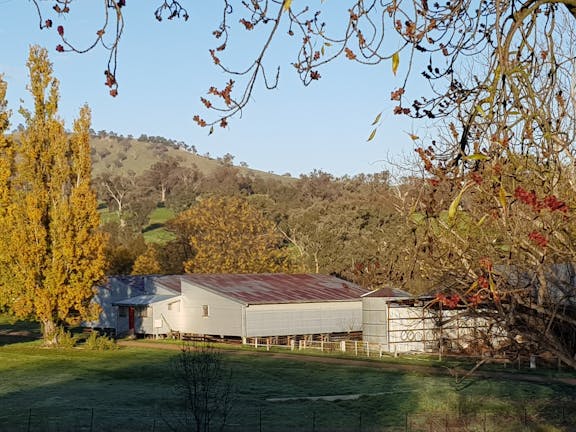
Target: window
[123,311]
[144,312]
[205,311]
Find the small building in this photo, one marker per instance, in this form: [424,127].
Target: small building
[231,305]
[400,323]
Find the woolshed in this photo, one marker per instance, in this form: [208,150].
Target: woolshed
[232,305]
[400,323]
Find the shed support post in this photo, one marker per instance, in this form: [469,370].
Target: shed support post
[343,346]
[292,344]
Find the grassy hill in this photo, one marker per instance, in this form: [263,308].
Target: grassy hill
[120,155]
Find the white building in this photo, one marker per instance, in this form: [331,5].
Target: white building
[231,305]
[399,323]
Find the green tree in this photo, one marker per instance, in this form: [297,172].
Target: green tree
[227,235]
[55,254]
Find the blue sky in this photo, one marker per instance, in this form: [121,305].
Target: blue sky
[165,67]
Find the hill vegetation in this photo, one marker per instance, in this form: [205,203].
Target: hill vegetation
[112,152]
[323,224]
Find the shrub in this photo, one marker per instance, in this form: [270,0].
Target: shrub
[100,343]
[64,339]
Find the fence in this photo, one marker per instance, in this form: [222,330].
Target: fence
[335,419]
[359,348]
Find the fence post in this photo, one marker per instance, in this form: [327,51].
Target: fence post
[360,423]
[367,350]
[343,346]
[92,420]
[29,419]
[356,347]
[406,423]
[292,344]
[260,419]
[313,421]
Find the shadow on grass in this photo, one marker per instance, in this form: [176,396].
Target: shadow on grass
[12,332]
[152,227]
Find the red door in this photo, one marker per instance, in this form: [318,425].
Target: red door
[131,318]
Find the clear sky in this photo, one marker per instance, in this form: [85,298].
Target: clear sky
[165,67]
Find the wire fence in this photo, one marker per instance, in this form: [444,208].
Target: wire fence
[559,415]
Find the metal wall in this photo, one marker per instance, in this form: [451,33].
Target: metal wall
[303,318]
[224,316]
[405,328]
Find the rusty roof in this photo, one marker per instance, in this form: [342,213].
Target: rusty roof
[271,288]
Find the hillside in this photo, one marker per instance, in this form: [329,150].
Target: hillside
[120,155]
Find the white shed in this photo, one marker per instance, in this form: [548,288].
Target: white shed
[399,322]
[261,305]
[231,305]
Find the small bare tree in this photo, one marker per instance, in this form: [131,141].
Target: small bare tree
[204,386]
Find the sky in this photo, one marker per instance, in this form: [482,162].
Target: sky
[164,69]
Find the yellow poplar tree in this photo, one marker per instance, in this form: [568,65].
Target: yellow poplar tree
[6,172]
[229,236]
[56,253]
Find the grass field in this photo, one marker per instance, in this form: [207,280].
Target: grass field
[131,389]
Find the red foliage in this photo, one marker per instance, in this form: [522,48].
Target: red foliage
[247,24]
[483,282]
[477,178]
[315,75]
[528,198]
[59,48]
[397,94]
[215,59]
[449,301]
[551,202]
[554,204]
[201,122]
[538,238]
[350,54]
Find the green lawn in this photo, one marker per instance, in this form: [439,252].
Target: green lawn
[131,389]
[155,231]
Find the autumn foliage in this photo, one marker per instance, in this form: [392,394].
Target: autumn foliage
[227,235]
[51,249]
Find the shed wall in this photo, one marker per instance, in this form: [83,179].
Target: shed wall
[224,316]
[303,318]
[375,321]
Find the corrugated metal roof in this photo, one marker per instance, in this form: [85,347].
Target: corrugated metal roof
[271,288]
[389,293]
[172,282]
[137,283]
[143,300]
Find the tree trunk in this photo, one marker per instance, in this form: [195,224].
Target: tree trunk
[49,332]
